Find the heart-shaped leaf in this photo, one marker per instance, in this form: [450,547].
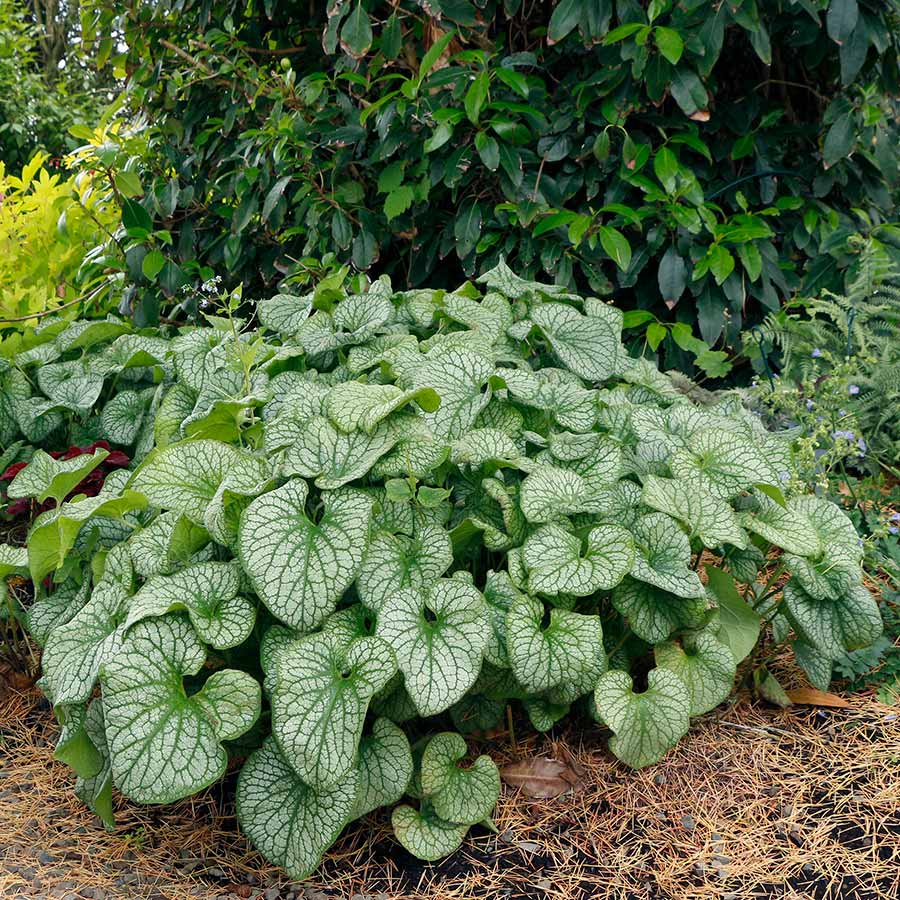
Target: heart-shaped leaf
[319,702]
[463,795]
[704,664]
[586,345]
[438,635]
[395,561]
[185,477]
[334,457]
[424,833]
[356,406]
[691,501]
[301,568]
[663,556]
[289,822]
[45,477]
[834,626]
[787,527]
[75,651]
[646,724]
[728,462]
[459,377]
[53,533]
[209,592]
[557,563]
[546,654]
[164,744]
[385,767]
[652,613]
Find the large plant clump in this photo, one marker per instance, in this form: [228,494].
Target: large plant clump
[362,531]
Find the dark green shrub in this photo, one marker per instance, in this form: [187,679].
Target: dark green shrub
[701,160]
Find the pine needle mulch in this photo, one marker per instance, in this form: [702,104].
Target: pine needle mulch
[756,802]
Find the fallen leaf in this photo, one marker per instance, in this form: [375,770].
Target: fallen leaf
[544,778]
[807,696]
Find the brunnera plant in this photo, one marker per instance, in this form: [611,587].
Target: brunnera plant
[356,533]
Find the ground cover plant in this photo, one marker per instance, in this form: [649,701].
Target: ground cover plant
[354,534]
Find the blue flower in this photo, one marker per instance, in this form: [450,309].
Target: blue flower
[863,446]
[853,390]
[809,405]
[895,517]
[893,529]
[816,353]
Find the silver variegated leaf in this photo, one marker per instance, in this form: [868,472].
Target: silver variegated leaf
[557,563]
[463,795]
[319,703]
[646,724]
[209,593]
[300,568]
[289,822]
[163,744]
[438,636]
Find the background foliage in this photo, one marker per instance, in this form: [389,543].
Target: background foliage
[702,160]
[46,84]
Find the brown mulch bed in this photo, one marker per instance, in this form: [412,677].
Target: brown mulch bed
[755,802]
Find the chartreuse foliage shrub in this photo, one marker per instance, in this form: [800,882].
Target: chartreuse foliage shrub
[359,532]
[49,224]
